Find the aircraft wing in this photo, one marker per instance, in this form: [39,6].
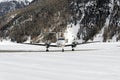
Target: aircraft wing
[35,44]
[72,44]
[76,43]
[41,44]
[54,45]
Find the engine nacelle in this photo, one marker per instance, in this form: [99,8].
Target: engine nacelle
[74,44]
[47,44]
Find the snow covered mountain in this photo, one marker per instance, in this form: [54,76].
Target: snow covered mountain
[16,0]
[96,19]
[77,19]
[10,5]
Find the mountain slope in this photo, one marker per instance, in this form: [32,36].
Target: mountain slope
[7,6]
[77,19]
[16,0]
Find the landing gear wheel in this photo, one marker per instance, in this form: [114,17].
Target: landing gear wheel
[73,50]
[62,50]
[47,50]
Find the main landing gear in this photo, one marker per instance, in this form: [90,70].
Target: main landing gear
[47,50]
[62,50]
[73,49]
[74,44]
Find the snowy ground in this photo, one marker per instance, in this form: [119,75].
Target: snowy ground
[94,61]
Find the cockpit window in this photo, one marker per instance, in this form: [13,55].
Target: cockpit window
[61,39]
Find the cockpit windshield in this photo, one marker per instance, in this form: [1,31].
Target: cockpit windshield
[61,38]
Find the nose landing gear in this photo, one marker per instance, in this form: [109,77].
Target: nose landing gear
[47,47]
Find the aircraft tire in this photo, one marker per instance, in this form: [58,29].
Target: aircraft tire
[47,50]
[62,50]
[73,50]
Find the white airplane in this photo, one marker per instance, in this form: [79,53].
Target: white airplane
[61,42]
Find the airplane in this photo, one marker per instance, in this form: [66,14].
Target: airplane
[61,42]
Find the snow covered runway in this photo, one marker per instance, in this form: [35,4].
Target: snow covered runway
[94,61]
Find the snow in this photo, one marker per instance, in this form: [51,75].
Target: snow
[111,5]
[11,17]
[118,3]
[99,36]
[17,1]
[93,61]
[28,40]
[90,3]
[71,32]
